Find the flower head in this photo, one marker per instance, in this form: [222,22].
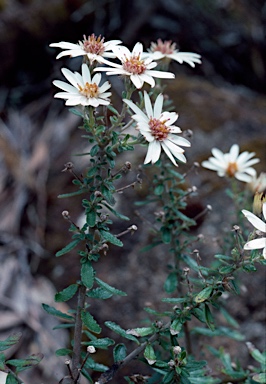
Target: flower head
[156,126]
[259,225]
[135,66]
[232,164]
[258,183]
[83,90]
[92,46]
[166,50]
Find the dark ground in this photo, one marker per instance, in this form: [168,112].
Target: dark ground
[222,101]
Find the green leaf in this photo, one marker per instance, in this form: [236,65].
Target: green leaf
[230,320]
[11,340]
[227,269]
[117,329]
[158,190]
[149,354]
[204,294]
[99,293]
[22,364]
[219,331]
[94,150]
[87,274]
[90,322]
[175,327]
[2,361]
[119,352]
[70,194]
[55,312]
[260,378]
[76,112]
[11,379]
[91,218]
[103,343]
[111,238]
[109,288]
[209,318]
[258,356]
[63,352]
[166,235]
[67,248]
[168,378]
[141,332]
[114,212]
[67,293]
[174,300]
[170,283]
[108,195]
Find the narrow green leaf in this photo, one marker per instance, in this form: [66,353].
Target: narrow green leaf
[227,269]
[109,288]
[11,340]
[149,354]
[87,274]
[204,295]
[230,320]
[117,329]
[209,318]
[63,352]
[111,238]
[258,356]
[2,361]
[94,150]
[141,332]
[168,378]
[70,194]
[158,190]
[103,343]
[76,112]
[67,248]
[108,195]
[175,327]
[55,312]
[119,352]
[67,293]
[90,322]
[114,212]
[174,300]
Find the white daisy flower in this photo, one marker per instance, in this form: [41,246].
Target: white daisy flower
[232,164]
[259,225]
[83,90]
[258,183]
[133,65]
[93,47]
[166,50]
[156,126]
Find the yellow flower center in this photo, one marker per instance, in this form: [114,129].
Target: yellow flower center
[158,129]
[93,44]
[134,65]
[89,90]
[231,169]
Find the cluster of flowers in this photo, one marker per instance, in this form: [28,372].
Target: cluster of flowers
[154,124]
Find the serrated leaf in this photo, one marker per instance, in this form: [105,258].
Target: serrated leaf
[119,352]
[170,283]
[109,288]
[208,317]
[87,274]
[63,352]
[111,238]
[23,364]
[90,322]
[67,248]
[67,293]
[149,354]
[204,295]
[55,312]
[11,340]
[117,329]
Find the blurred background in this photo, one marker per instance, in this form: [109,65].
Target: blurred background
[223,101]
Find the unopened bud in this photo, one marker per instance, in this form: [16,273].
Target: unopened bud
[98,194]
[91,349]
[128,165]
[65,215]
[177,350]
